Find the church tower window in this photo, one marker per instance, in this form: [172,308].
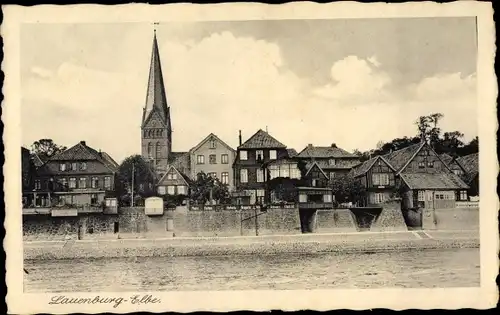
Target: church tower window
[150,150]
[158,150]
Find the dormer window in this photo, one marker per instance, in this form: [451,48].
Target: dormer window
[331,162]
[243,155]
[62,167]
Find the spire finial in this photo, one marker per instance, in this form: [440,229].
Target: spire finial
[154,26]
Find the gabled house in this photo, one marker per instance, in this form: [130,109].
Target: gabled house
[415,173]
[249,166]
[470,164]
[378,177]
[173,183]
[334,161]
[79,176]
[213,157]
[452,163]
[315,176]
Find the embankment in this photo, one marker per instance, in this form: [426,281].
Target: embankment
[262,245]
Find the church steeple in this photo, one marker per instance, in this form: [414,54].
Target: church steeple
[156,97]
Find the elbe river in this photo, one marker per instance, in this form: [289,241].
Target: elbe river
[404,269]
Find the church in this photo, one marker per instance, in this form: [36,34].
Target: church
[156,125]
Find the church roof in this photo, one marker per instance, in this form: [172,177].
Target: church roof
[262,140]
[156,97]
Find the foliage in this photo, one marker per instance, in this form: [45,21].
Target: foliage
[207,188]
[450,142]
[45,148]
[347,188]
[144,179]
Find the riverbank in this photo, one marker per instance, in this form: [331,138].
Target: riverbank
[251,245]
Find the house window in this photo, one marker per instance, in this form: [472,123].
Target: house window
[93,199]
[260,176]
[94,183]
[64,182]
[463,195]
[272,155]
[38,184]
[327,198]
[380,179]
[331,162]
[458,172]
[73,167]
[181,190]
[259,155]
[171,190]
[332,175]
[225,178]
[379,197]
[274,171]
[212,159]
[83,166]
[430,164]
[200,159]
[224,159]
[243,155]
[171,176]
[62,167]
[83,183]
[421,195]
[212,144]
[313,183]
[107,182]
[260,194]
[244,175]
[421,165]
[72,182]
[302,198]
[162,190]
[212,175]
[294,173]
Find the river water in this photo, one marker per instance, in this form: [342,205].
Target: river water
[405,269]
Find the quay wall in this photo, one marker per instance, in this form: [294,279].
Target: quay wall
[181,222]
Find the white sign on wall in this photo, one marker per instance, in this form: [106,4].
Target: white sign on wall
[64,212]
[153,206]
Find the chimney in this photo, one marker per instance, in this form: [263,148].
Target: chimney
[310,145]
[240,138]
[83,143]
[334,145]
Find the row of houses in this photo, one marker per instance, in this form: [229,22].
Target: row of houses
[86,177]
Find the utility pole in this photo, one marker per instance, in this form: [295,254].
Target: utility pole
[133,175]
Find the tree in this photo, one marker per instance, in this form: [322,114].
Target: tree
[284,188]
[45,148]
[207,188]
[144,178]
[347,188]
[469,148]
[450,143]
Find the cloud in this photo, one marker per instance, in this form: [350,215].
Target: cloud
[355,79]
[224,83]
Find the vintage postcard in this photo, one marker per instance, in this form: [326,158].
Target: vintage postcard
[250,157]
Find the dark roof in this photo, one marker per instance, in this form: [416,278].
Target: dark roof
[312,165]
[82,151]
[172,167]
[446,158]
[344,164]
[470,164]
[291,152]
[325,152]
[433,181]
[365,166]
[262,140]
[398,159]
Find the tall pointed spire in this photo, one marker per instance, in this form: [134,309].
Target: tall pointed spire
[156,96]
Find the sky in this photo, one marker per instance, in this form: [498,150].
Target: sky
[353,82]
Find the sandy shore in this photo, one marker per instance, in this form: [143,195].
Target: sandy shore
[251,245]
